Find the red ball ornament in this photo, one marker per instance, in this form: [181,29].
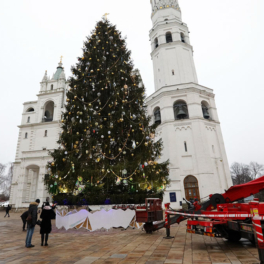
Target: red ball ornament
[143,166]
[93,131]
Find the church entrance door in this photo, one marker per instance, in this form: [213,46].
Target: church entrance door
[191,188]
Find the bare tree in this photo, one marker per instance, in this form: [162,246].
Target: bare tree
[2,171]
[240,173]
[256,169]
[6,180]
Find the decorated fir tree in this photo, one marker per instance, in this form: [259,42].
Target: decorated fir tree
[107,140]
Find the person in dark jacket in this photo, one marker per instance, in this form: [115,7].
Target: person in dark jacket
[45,228]
[8,208]
[24,219]
[48,204]
[33,213]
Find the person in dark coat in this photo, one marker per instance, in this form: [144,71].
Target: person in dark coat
[33,213]
[45,227]
[8,208]
[48,204]
[24,219]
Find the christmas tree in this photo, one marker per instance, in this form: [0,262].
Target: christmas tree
[107,140]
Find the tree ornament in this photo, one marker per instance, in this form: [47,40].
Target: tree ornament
[133,144]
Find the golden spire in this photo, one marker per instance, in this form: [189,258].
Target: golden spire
[105,15]
[61,59]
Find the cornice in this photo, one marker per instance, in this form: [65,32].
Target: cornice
[187,122]
[30,102]
[170,44]
[176,91]
[165,24]
[59,90]
[39,124]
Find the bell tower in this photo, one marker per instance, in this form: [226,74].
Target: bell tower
[184,111]
[172,53]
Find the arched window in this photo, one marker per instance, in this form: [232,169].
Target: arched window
[168,37]
[46,133]
[205,109]
[156,41]
[157,116]
[51,87]
[28,119]
[48,112]
[191,188]
[30,109]
[180,110]
[26,134]
[182,38]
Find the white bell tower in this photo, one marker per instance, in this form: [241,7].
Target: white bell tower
[184,110]
[172,53]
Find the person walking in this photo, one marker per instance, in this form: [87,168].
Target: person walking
[45,227]
[8,208]
[31,220]
[24,219]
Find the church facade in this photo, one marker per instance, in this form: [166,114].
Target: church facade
[38,134]
[185,112]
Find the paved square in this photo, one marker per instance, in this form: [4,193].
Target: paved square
[116,246]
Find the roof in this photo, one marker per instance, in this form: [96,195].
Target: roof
[58,73]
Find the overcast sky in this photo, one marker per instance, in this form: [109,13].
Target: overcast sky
[228,41]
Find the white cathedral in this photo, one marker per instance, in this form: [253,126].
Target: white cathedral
[185,111]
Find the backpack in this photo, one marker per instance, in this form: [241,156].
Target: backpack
[29,218]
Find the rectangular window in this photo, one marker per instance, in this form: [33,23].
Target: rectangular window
[28,119]
[46,133]
[185,146]
[26,134]
[172,72]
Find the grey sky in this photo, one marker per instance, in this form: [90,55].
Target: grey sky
[228,41]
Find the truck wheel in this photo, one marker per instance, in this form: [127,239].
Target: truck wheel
[233,236]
